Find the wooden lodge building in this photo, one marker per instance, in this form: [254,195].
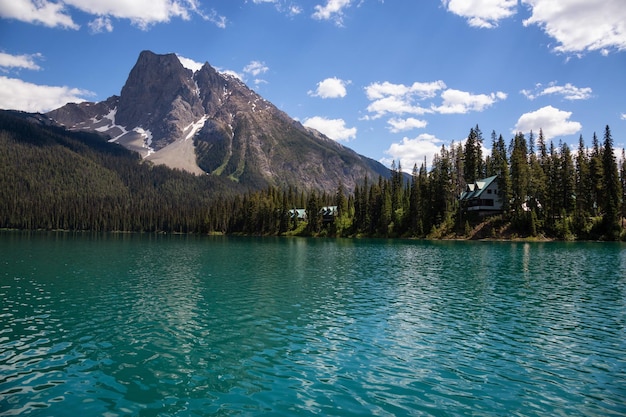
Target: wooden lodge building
[482,197]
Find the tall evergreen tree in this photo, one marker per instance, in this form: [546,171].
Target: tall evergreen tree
[537,187]
[313,215]
[501,169]
[543,151]
[472,166]
[386,211]
[414,202]
[520,173]
[553,200]
[596,174]
[397,188]
[611,194]
[491,165]
[582,187]
[340,200]
[622,177]
[567,179]
[425,220]
[283,225]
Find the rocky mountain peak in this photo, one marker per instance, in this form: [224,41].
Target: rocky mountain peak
[208,122]
[161,84]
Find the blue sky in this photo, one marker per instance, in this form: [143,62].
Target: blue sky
[391,79]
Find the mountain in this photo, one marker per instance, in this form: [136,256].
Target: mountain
[210,122]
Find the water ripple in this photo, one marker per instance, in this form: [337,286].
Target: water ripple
[191,326]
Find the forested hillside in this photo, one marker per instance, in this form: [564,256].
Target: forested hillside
[54,179]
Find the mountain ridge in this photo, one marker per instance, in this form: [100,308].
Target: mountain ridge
[207,122]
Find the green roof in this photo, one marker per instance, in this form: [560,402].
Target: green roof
[476,189]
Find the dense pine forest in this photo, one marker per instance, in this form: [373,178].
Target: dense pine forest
[52,179]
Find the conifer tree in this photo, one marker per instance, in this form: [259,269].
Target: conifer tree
[361,207]
[501,169]
[340,200]
[582,187]
[397,186]
[442,193]
[491,165]
[472,166]
[622,177]
[567,179]
[537,187]
[414,202]
[425,217]
[611,186]
[543,151]
[386,211]
[553,200]
[520,174]
[283,225]
[313,213]
[596,174]
[456,156]
[531,143]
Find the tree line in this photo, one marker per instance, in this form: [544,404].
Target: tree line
[54,179]
[546,189]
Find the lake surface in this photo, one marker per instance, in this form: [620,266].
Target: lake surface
[145,325]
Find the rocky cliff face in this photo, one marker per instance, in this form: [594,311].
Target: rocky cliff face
[207,122]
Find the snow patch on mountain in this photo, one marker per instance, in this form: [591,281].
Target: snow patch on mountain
[147,139]
[193,128]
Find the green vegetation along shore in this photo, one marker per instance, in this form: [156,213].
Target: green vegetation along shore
[52,179]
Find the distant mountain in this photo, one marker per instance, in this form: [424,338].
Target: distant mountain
[209,122]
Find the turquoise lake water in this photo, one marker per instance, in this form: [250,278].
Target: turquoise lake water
[145,325]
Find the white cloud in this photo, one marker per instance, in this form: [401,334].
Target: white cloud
[142,13]
[294,10]
[101,24]
[568,91]
[333,128]
[401,125]
[400,99]
[581,26]
[577,25]
[482,13]
[461,102]
[215,18]
[413,151]
[552,121]
[19,61]
[623,116]
[255,68]
[190,63]
[38,11]
[333,10]
[282,6]
[377,91]
[330,88]
[16,94]
[395,105]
